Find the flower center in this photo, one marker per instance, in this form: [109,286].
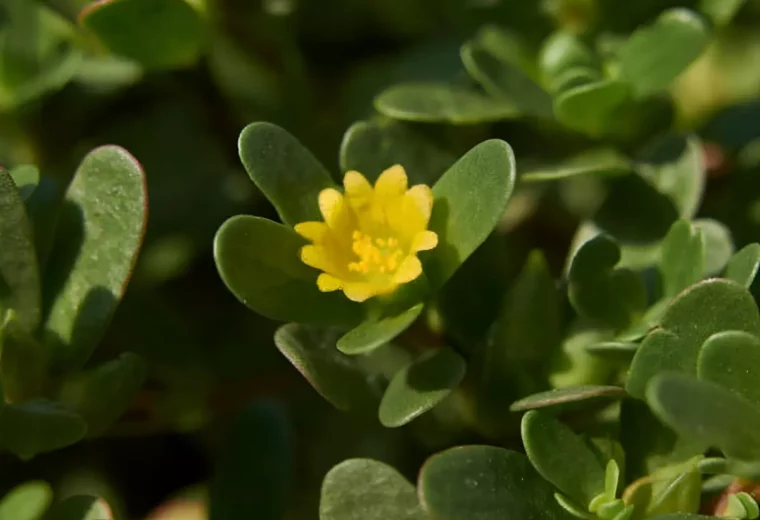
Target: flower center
[376,255]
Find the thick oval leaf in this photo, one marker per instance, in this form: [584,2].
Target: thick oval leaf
[259,261]
[719,245]
[100,231]
[503,77]
[334,375]
[572,395]
[563,52]
[254,470]
[469,200]
[420,386]
[364,489]
[603,161]
[743,266]
[158,34]
[709,412]
[634,211]
[28,501]
[675,165]
[562,457]
[696,314]
[19,271]
[655,55]
[38,426]
[370,147]
[598,291]
[373,334]
[732,360]
[285,172]
[591,108]
[486,483]
[682,258]
[441,103]
[103,394]
[81,507]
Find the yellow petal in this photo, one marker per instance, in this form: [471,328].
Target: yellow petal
[314,231]
[391,183]
[424,241]
[356,185]
[409,269]
[421,199]
[331,205]
[315,256]
[328,283]
[358,291]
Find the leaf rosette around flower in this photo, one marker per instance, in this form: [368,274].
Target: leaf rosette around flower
[362,243]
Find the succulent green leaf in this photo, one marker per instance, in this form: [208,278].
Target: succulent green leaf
[706,411]
[420,386]
[562,458]
[365,489]
[334,375]
[682,258]
[602,161]
[563,52]
[260,263]
[598,291]
[19,272]
[374,334]
[696,314]
[732,360]
[486,483]
[672,488]
[613,351]
[284,170]
[469,200]
[719,245]
[159,34]
[488,60]
[655,55]
[743,266]
[39,426]
[26,177]
[254,470]
[100,231]
[721,12]
[372,146]
[441,103]
[674,164]
[572,395]
[591,108]
[527,330]
[81,507]
[28,501]
[102,395]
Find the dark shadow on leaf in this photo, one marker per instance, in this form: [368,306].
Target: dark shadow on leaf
[665,150]
[438,268]
[90,322]
[65,251]
[635,212]
[440,370]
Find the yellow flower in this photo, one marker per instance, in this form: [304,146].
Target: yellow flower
[370,238]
